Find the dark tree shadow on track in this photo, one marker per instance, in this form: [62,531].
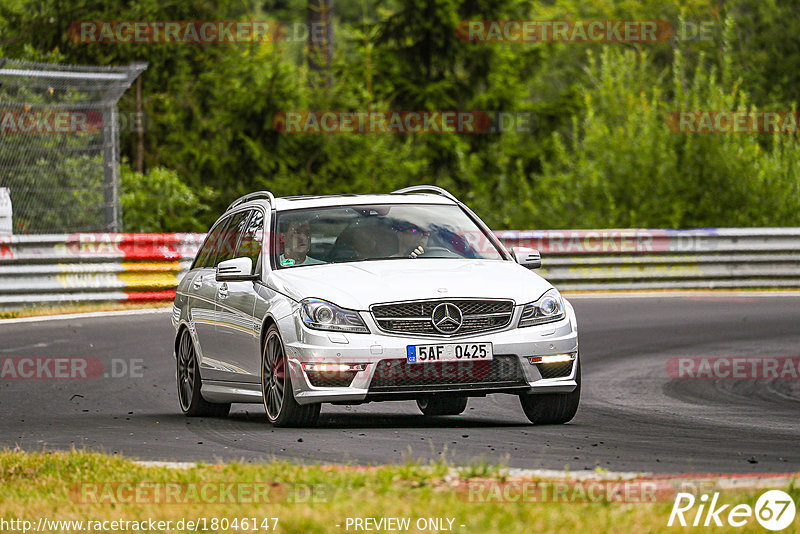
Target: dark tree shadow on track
[247,420]
[341,421]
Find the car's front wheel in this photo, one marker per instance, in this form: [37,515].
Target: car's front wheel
[553,408]
[276,387]
[189,383]
[442,405]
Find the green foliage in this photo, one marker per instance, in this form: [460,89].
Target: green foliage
[160,202]
[622,157]
[767,58]
[598,154]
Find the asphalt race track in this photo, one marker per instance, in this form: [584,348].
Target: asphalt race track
[633,416]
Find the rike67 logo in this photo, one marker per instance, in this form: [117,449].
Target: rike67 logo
[774,510]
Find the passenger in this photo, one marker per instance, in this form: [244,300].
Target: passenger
[357,242]
[367,239]
[296,240]
[364,243]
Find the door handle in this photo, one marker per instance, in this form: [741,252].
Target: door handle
[198,282]
[223,291]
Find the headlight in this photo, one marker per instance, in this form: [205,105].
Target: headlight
[549,308]
[323,315]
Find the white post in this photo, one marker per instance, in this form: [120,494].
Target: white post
[6,228]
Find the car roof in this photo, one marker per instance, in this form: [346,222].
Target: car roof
[320,201]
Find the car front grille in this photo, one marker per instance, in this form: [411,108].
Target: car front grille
[555,370]
[417,317]
[398,375]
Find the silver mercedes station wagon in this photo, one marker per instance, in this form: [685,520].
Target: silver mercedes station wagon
[297,301]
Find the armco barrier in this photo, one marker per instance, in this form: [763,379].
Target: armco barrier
[586,260]
[93,267]
[146,267]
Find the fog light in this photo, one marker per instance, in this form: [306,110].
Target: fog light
[555,358]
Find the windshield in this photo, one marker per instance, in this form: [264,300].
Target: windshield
[378,232]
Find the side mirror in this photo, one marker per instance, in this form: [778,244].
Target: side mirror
[527,257]
[236,270]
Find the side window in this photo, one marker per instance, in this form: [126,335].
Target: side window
[253,239]
[205,256]
[230,237]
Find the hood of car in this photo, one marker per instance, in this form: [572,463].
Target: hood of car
[358,285]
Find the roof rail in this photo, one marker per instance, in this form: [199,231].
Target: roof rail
[251,196]
[429,188]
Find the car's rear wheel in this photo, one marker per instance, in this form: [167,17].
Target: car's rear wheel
[442,405]
[276,387]
[553,408]
[189,383]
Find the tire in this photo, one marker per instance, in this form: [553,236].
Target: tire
[189,383]
[553,408]
[276,387]
[442,405]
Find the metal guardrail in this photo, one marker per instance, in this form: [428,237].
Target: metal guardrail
[93,267]
[147,267]
[587,260]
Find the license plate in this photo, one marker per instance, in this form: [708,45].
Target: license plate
[450,352]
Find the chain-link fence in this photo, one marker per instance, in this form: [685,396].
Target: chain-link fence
[59,145]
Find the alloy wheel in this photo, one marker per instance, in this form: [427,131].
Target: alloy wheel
[186,371]
[274,376]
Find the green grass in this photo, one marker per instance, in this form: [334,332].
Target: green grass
[308,498]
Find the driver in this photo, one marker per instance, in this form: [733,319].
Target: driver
[296,239]
[411,240]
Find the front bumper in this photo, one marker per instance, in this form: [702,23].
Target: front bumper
[380,354]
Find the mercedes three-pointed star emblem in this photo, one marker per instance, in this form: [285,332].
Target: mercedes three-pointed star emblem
[447,318]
